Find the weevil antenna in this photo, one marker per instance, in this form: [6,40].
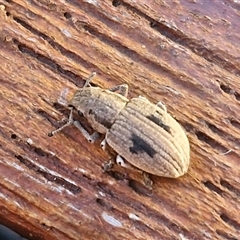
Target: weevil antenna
[89,80]
[87,83]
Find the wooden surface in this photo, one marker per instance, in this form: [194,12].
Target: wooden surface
[183,53]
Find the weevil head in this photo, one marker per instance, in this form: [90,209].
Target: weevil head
[84,96]
[84,99]
[99,106]
[86,102]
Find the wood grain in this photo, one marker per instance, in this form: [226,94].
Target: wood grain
[183,53]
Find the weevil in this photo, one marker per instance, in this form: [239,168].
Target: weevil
[142,133]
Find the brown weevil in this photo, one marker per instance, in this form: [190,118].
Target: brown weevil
[142,133]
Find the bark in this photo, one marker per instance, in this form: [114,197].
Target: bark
[183,53]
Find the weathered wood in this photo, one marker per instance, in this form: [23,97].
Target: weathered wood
[185,54]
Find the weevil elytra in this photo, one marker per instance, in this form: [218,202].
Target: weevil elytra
[142,133]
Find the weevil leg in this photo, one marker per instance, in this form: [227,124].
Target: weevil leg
[162,106]
[143,98]
[120,161]
[90,137]
[69,122]
[123,89]
[147,181]
[107,166]
[103,144]
[89,79]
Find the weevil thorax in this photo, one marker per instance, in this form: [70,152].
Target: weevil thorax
[99,106]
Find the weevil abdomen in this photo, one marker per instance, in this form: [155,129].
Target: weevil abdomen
[150,139]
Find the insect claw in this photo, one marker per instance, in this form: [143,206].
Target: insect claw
[107,166]
[147,181]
